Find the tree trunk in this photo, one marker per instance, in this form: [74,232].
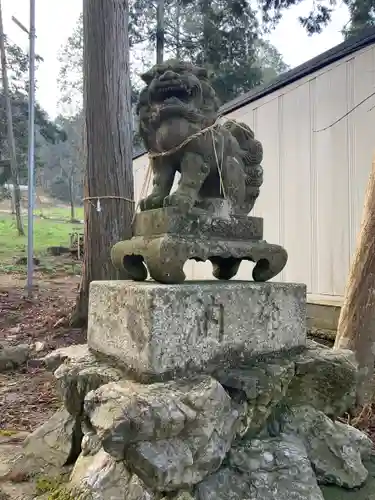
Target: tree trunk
[160,32]
[109,169]
[205,7]
[356,327]
[178,30]
[71,198]
[11,142]
[12,209]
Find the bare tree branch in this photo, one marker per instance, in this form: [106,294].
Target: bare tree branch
[347,113]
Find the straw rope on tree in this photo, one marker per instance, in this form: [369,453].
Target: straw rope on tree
[356,326]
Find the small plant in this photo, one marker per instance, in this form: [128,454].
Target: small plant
[61,494]
[47,484]
[64,494]
[54,488]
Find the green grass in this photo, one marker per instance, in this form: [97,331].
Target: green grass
[46,233]
[61,213]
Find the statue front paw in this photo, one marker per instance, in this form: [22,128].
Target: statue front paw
[151,202]
[183,202]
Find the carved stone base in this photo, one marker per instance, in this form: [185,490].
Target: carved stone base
[158,331]
[164,240]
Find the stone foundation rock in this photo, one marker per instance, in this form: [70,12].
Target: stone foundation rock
[263,428]
[13,356]
[246,434]
[80,376]
[335,450]
[57,441]
[276,467]
[324,380]
[100,476]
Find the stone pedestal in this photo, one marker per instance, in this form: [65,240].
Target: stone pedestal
[202,391]
[159,331]
[164,239]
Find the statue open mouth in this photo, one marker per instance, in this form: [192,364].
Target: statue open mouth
[168,90]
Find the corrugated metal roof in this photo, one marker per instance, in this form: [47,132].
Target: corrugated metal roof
[353,44]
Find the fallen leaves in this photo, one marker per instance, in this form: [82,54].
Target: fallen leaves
[28,395]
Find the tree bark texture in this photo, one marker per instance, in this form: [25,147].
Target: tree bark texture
[109,169]
[178,30]
[160,14]
[11,142]
[356,327]
[205,7]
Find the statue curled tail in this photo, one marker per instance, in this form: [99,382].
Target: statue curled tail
[251,156]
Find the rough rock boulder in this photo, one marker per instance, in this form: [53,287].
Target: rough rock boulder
[172,435]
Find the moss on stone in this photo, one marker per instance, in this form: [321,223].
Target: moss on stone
[7,432]
[62,493]
[54,488]
[47,484]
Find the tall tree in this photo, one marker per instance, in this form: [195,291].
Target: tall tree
[356,328]
[269,60]
[361,12]
[362,15]
[225,35]
[64,163]
[70,78]
[109,190]
[160,11]
[244,59]
[221,35]
[46,131]
[10,133]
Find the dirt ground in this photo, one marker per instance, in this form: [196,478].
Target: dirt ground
[27,395]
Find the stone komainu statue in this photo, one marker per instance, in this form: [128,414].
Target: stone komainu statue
[217,159]
[178,114]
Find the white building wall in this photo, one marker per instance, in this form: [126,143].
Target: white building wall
[315,171]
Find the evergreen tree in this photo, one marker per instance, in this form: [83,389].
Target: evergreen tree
[222,35]
[46,130]
[362,15]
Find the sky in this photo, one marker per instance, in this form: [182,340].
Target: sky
[55,21]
